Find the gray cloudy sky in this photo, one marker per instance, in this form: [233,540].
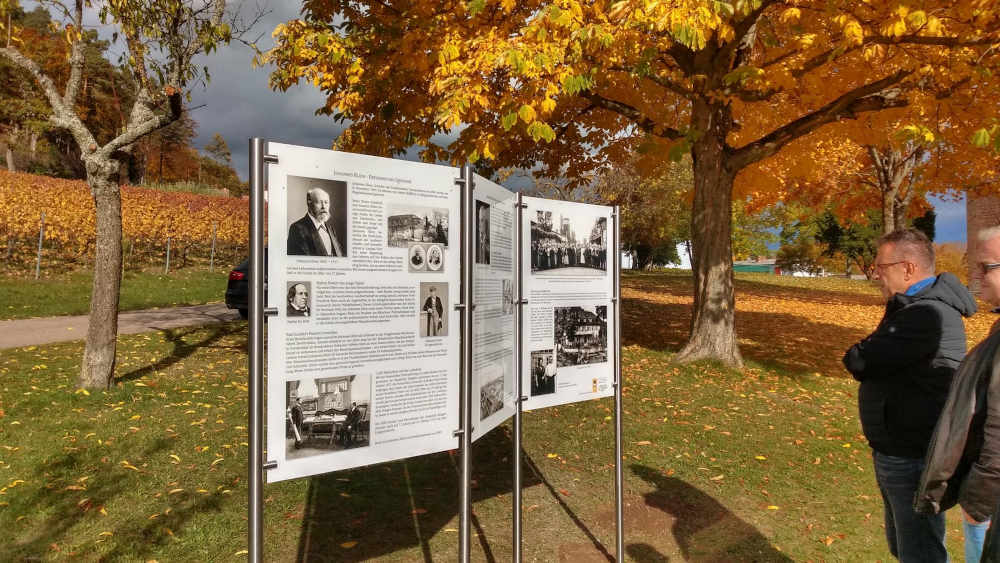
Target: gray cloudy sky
[238,104]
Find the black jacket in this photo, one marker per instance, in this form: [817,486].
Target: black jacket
[304,240]
[963,461]
[905,367]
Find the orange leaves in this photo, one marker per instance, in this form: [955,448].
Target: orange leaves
[147,215]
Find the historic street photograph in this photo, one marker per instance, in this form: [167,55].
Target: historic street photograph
[572,245]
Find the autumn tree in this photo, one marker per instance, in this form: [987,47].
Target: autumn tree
[162,39]
[655,211]
[569,87]
[219,150]
[854,240]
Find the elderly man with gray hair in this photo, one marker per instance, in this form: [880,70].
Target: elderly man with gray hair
[314,234]
[905,368]
[963,461]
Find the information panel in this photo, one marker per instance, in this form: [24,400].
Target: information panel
[568,281]
[364,269]
[494,332]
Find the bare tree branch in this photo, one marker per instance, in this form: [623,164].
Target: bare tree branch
[642,121]
[76,60]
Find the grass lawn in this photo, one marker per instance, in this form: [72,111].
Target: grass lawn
[767,464]
[69,293]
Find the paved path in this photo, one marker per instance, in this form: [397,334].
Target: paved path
[28,332]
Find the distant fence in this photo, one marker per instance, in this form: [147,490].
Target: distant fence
[190,224]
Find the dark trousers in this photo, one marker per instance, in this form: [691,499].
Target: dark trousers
[912,537]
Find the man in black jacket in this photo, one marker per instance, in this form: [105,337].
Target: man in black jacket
[963,461]
[905,368]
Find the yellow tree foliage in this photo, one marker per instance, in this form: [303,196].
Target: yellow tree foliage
[950,257]
[569,86]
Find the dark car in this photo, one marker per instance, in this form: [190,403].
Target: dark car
[238,288]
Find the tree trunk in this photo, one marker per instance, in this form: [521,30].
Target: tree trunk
[899,214]
[713,330]
[888,212]
[98,367]
[9,154]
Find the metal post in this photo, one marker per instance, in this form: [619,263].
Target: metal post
[518,392]
[465,387]
[41,237]
[166,268]
[211,261]
[255,343]
[619,493]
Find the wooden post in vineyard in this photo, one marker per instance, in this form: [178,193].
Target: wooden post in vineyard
[166,269]
[41,237]
[211,262]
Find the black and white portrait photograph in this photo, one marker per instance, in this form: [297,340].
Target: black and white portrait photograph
[581,335]
[298,302]
[482,232]
[543,372]
[491,397]
[507,305]
[433,318]
[568,244]
[406,224]
[317,215]
[425,257]
[418,258]
[435,258]
[327,414]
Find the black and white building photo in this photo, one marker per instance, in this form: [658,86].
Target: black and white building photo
[327,414]
[581,335]
[406,224]
[571,244]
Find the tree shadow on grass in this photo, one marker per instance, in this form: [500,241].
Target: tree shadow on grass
[400,505]
[184,347]
[703,528]
[779,340]
[67,508]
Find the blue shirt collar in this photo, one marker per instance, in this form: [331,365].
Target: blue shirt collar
[920,285]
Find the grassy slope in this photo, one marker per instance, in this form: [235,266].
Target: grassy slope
[69,294]
[764,465]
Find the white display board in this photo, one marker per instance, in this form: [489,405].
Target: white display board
[494,331]
[363,267]
[568,280]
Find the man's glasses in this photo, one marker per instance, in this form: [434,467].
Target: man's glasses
[880,268]
[985,267]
